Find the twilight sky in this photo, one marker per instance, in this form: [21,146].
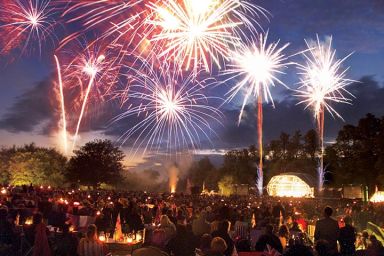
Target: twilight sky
[29,108]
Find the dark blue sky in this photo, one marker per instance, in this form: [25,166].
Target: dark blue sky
[27,112]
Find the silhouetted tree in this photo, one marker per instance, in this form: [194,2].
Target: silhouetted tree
[96,162]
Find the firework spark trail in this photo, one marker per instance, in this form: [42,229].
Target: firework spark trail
[63,114]
[117,21]
[194,33]
[323,81]
[91,68]
[173,110]
[257,66]
[30,20]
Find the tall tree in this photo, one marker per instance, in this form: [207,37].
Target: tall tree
[96,162]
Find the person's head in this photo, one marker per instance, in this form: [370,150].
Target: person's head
[218,245]
[205,242]
[37,218]
[328,211]
[164,220]
[92,231]
[283,231]
[159,238]
[348,220]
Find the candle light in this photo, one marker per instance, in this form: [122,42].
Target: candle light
[129,240]
[102,238]
[28,221]
[138,237]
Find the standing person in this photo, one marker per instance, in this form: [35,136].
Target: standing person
[90,245]
[347,238]
[328,229]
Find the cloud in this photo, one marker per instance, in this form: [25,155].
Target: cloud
[30,110]
[287,116]
[36,109]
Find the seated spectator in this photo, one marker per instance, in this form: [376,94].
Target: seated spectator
[362,241]
[218,247]
[200,225]
[205,245]
[222,232]
[268,238]
[295,229]
[90,245]
[183,243]
[40,245]
[168,227]
[156,247]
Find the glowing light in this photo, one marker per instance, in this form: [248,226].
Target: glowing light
[91,65]
[62,105]
[29,221]
[102,238]
[323,81]
[3,191]
[378,197]
[288,186]
[258,67]
[194,32]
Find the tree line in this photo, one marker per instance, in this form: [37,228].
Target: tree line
[356,157]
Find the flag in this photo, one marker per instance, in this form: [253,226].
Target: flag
[118,231]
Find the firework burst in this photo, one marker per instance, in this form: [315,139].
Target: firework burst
[257,66]
[173,110]
[323,82]
[92,74]
[195,33]
[26,22]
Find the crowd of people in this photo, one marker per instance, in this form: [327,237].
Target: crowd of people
[39,221]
